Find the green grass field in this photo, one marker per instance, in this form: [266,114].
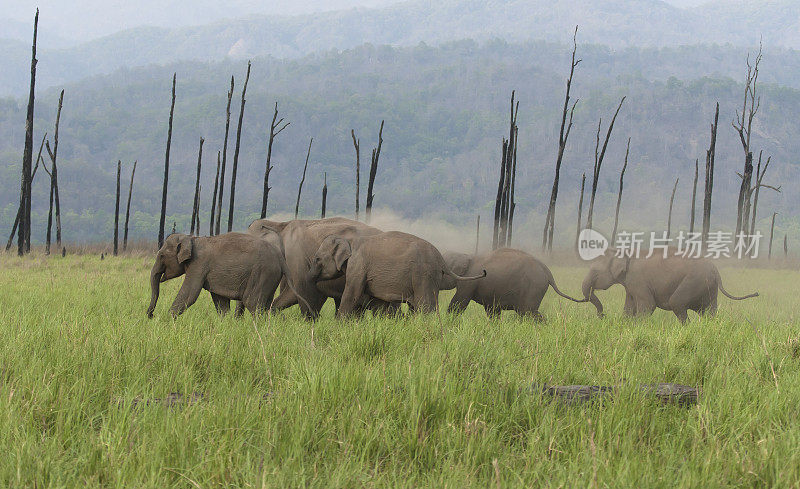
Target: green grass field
[401,402]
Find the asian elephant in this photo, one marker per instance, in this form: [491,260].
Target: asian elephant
[514,281]
[391,266]
[232,266]
[301,239]
[672,283]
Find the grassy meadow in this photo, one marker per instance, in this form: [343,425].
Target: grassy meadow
[424,401]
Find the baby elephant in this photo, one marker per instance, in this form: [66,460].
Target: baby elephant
[673,283]
[393,267]
[231,266]
[515,281]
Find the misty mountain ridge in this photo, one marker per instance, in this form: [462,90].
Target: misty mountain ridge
[616,23]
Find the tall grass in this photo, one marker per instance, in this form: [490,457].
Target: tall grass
[389,402]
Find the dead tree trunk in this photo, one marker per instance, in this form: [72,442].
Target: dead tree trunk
[54,171]
[760,172]
[619,194]
[357,146]
[598,162]
[18,218]
[224,157]
[49,219]
[743,125]
[128,210]
[236,151]
[549,225]
[771,234]
[513,203]
[580,210]
[785,248]
[477,234]
[24,236]
[324,193]
[303,179]
[671,202]
[694,195]
[214,198]
[709,183]
[195,226]
[498,203]
[373,171]
[508,179]
[274,130]
[116,210]
[163,217]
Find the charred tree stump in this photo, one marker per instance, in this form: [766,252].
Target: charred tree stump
[116,210]
[54,172]
[675,394]
[785,247]
[303,179]
[598,161]
[373,171]
[195,227]
[580,211]
[128,210]
[17,219]
[357,146]
[563,135]
[499,199]
[671,202]
[162,219]
[694,195]
[743,124]
[324,193]
[24,234]
[619,194]
[709,182]
[236,151]
[214,198]
[771,234]
[275,128]
[224,157]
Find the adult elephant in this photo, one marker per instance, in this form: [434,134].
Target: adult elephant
[301,239]
[232,266]
[672,283]
[514,281]
[391,267]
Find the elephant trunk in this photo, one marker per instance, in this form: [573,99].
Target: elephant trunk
[588,294]
[155,284]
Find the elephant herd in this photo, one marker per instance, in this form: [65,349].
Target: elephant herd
[363,268]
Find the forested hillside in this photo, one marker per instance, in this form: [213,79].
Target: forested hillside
[446,110]
[616,23]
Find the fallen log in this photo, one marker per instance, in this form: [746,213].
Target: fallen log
[665,393]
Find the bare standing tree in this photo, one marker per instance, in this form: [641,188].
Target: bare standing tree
[671,202]
[224,156]
[324,193]
[771,234]
[236,151]
[357,146]
[694,194]
[163,217]
[24,236]
[116,210]
[373,171]
[300,187]
[54,171]
[563,135]
[580,210]
[21,208]
[504,204]
[709,183]
[196,200]
[128,209]
[619,194]
[214,198]
[275,128]
[598,161]
[760,172]
[743,124]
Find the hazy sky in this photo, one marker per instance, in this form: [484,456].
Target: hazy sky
[86,19]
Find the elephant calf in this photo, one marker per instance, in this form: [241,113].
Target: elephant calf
[393,267]
[515,281]
[673,283]
[231,266]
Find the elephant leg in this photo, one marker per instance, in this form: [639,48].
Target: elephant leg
[352,296]
[221,304]
[644,306]
[681,300]
[187,295]
[630,305]
[459,302]
[493,311]
[286,297]
[239,309]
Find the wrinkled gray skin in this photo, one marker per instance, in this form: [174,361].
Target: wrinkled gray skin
[392,267]
[514,281]
[232,266]
[673,283]
[301,239]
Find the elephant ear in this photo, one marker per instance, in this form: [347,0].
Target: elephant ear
[183,249]
[341,253]
[619,267]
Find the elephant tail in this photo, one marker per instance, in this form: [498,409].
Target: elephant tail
[728,295]
[449,273]
[552,282]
